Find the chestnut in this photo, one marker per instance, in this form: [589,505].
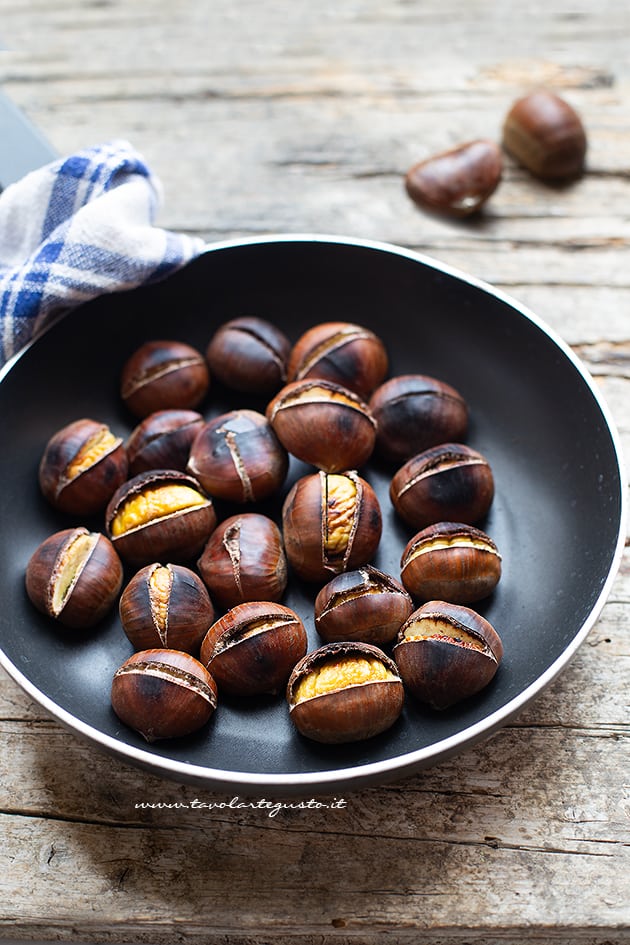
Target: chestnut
[344,692]
[546,135]
[447,652]
[414,412]
[161,514]
[331,522]
[450,482]
[251,649]
[365,604]
[166,605]
[244,560]
[163,375]
[163,440]
[74,576]
[343,352]
[237,457]
[163,693]
[82,466]
[451,561]
[324,424]
[250,355]
[456,182]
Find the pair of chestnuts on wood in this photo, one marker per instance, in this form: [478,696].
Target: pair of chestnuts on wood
[541,130]
[331,406]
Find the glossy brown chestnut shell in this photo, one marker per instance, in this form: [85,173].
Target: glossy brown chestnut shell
[414,412]
[166,605]
[344,692]
[162,514]
[238,457]
[451,561]
[546,135]
[366,605]
[331,522]
[163,693]
[249,354]
[251,649]
[447,652]
[324,424]
[457,182]
[82,466]
[244,560]
[163,375]
[450,482]
[342,352]
[163,440]
[74,576]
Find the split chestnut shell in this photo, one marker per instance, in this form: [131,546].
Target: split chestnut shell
[163,440]
[164,375]
[162,514]
[446,653]
[344,692]
[365,604]
[252,649]
[343,352]
[249,354]
[163,693]
[74,576]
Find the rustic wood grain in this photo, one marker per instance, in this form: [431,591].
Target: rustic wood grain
[267,117]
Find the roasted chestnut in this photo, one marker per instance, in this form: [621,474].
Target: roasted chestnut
[447,652]
[451,561]
[456,182]
[365,604]
[162,375]
[244,560]
[166,605]
[450,482]
[545,134]
[251,650]
[163,440]
[238,457]
[82,466]
[162,514]
[74,576]
[414,412]
[163,693]
[331,522]
[324,424]
[341,352]
[344,692]
[249,354]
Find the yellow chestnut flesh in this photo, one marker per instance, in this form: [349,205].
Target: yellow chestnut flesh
[75,556]
[339,674]
[94,448]
[154,503]
[461,541]
[340,514]
[160,584]
[428,629]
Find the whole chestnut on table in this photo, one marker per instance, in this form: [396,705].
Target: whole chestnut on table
[163,440]
[161,514]
[163,693]
[365,604]
[447,652]
[166,605]
[331,522]
[82,466]
[546,135]
[450,482]
[414,412]
[244,560]
[162,375]
[342,352]
[344,692]
[451,561]
[249,354]
[459,181]
[324,424]
[251,650]
[238,457]
[74,576]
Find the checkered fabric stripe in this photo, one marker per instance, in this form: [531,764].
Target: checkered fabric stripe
[77,228]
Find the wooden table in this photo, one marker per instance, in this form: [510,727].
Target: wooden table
[270,116]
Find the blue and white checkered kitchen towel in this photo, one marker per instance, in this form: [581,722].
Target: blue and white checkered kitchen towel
[77,228]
